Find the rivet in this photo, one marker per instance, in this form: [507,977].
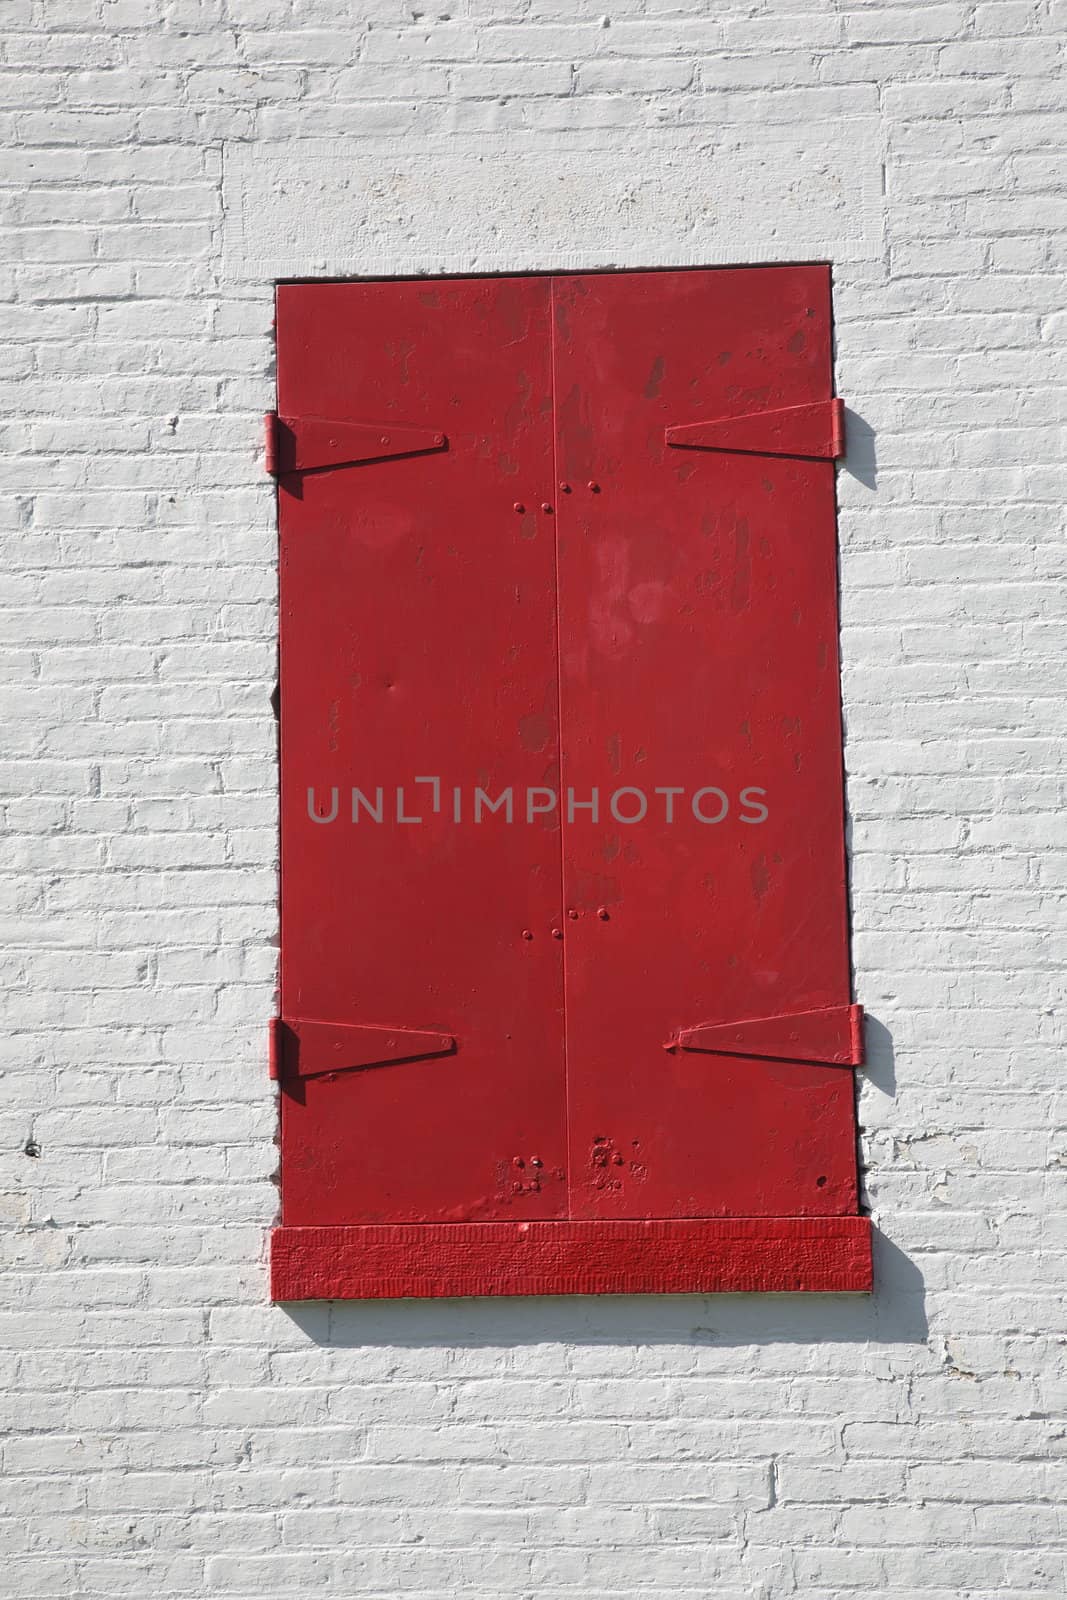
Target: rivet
[573,915]
[557,933]
[594,488]
[385,438]
[519,507]
[565,488]
[603,913]
[526,933]
[535,1161]
[438,438]
[546,508]
[517,1161]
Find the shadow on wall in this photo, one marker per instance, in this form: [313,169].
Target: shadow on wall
[879,1068]
[860,460]
[894,1314]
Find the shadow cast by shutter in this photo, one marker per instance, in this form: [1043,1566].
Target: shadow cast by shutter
[879,1067]
[860,460]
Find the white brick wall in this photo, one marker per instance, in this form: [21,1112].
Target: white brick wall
[170,1433]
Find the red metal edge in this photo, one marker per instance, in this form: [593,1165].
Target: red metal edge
[837,428]
[813,1255]
[274,1050]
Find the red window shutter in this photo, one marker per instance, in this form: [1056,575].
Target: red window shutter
[417,639]
[592,514]
[699,618]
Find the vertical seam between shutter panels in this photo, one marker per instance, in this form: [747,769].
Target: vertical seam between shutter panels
[558,497]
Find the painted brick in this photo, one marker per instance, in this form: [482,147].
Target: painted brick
[167,1431]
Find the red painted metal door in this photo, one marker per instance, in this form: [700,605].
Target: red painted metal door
[698,627]
[421,1048]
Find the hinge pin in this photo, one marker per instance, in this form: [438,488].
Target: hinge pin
[270,443]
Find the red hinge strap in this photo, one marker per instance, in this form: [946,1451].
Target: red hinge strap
[303,1048]
[817,430]
[831,1036]
[302,444]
